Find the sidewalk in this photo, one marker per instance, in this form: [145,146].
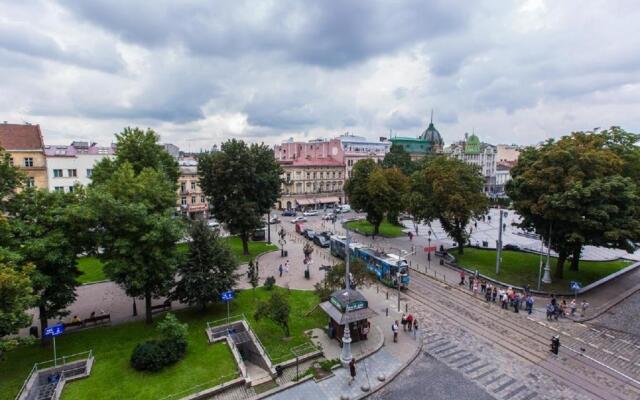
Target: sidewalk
[384,363]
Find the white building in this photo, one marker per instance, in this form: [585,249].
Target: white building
[73,164]
[503,175]
[358,148]
[482,155]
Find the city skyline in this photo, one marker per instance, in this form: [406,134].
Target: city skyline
[199,74]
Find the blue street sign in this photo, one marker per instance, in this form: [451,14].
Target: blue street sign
[227,296]
[52,331]
[575,286]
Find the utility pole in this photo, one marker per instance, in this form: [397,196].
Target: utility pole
[547,268]
[346,355]
[268,228]
[499,247]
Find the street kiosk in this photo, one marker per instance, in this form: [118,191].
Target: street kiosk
[348,306]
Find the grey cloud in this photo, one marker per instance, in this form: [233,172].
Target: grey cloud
[401,121]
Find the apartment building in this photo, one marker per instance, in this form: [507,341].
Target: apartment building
[25,146]
[72,165]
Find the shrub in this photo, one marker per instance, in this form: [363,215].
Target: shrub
[269,282]
[172,329]
[147,357]
[153,355]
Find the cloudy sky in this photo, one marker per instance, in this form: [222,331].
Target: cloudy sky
[199,72]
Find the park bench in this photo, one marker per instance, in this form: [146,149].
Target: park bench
[73,324]
[98,319]
[161,307]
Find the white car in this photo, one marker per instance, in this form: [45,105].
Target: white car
[345,208]
[298,219]
[213,224]
[310,213]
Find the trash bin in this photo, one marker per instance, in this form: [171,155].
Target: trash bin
[441,261]
[279,370]
[306,274]
[286,253]
[485,243]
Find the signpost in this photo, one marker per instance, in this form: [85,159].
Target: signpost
[52,332]
[227,297]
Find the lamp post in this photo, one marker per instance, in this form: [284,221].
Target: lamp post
[499,249]
[398,272]
[268,228]
[429,250]
[540,265]
[547,268]
[346,355]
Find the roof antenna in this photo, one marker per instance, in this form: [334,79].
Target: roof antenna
[432,115]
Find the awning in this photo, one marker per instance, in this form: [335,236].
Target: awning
[305,202]
[351,316]
[328,200]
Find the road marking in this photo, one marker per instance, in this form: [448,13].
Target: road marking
[609,336]
[625,341]
[566,334]
[542,323]
[581,324]
[595,330]
[623,358]
[607,351]
[553,328]
[593,345]
[580,340]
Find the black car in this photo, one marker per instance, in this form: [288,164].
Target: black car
[309,233]
[289,213]
[321,241]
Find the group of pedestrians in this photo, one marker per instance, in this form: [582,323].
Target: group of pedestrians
[283,269]
[409,324]
[508,298]
[557,309]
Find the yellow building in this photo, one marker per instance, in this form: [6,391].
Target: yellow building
[192,201]
[26,148]
[311,184]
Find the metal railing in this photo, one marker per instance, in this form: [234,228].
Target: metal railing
[211,384]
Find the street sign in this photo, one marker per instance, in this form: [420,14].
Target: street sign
[227,296]
[429,249]
[52,331]
[575,286]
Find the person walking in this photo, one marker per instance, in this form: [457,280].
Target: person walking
[394,329]
[516,303]
[280,269]
[494,295]
[573,307]
[409,322]
[583,306]
[529,303]
[415,328]
[461,278]
[403,321]
[286,267]
[352,370]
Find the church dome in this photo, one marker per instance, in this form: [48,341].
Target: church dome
[432,135]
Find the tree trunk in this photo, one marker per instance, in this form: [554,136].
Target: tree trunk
[460,245]
[147,308]
[575,257]
[245,244]
[43,324]
[562,256]
[376,229]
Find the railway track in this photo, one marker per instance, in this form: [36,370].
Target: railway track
[523,338]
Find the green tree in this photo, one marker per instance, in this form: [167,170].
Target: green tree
[136,231]
[10,176]
[451,190]
[142,150]
[397,157]
[276,309]
[395,199]
[46,234]
[16,297]
[580,189]
[209,269]
[242,183]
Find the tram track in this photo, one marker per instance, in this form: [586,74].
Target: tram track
[520,339]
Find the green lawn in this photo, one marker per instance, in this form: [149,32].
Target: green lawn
[113,378]
[91,267]
[386,229]
[520,268]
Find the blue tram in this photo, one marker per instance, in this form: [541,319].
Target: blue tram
[389,268]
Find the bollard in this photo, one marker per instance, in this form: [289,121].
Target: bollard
[387,295]
[406,307]
[387,311]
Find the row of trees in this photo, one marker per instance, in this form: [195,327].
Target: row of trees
[583,189]
[126,217]
[440,188]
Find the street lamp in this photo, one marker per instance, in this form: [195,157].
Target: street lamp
[499,250]
[346,355]
[398,266]
[547,268]
[429,250]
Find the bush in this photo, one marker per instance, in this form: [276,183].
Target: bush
[171,329]
[153,355]
[147,357]
[269,282]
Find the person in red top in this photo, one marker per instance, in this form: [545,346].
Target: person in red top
[461,278]
[410,322]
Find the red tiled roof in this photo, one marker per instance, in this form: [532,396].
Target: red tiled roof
[21,137]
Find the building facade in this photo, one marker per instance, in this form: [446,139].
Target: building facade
[429,142]
[25,146]
[356,148]
[192,201]
[313,174]
[72,165]
[508,153]
[483,155]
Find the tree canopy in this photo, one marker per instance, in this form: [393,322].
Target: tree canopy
[582,189]
[16,296]
[242,183]
[10,176]
[450,190]
[208,270]
[397,157]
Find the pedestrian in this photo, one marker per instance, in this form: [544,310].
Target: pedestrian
[494,295]
[409,322]
[410,236]
[461,278]
[529,303]
[487,294]
[403,321]
[475,286]
[280,269]
[475,224]
[257,269]
[483,287]
[352,370]
[583,306]
[471,283]
[286,267]
[415,328]
[394,329]
[516,303]
[550,311]
[573,307]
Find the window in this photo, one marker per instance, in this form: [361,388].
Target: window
[183,201]
[57,173]
[89,172]
[31,182]
[308,175]
[70,189]
[183,187]
[193,199]
[202,199]
[193,186]
[72,173]
[11,161]
[28,161]
[59,188]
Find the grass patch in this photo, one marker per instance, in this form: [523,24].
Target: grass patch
[113,377]
[91,267]
[386,229]
[518,268]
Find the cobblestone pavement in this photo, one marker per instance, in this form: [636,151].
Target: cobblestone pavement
[428,378]
[623,317]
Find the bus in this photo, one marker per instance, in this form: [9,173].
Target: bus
[390,269]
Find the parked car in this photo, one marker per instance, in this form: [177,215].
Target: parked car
[289,213]
[321,241]
[298,219]
[274,220]
[345,208]
[309,233]
[310,213]
[213,224]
